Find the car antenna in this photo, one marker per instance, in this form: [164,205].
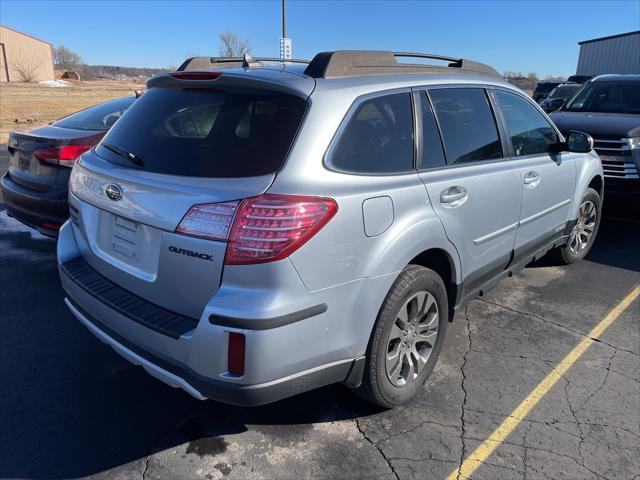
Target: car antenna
[249,62]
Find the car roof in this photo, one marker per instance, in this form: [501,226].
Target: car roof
[617,77]
[360,71]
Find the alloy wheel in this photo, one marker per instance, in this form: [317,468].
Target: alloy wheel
[584,227]
[412,338]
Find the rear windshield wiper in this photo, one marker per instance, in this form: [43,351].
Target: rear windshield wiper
[133,158]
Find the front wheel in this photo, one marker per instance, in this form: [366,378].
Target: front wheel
[584,231]
[406,339]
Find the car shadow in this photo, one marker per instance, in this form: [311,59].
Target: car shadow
[616,245]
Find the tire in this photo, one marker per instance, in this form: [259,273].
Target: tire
[414,289]
[576,247]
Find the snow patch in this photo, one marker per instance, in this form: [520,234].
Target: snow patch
[55,83]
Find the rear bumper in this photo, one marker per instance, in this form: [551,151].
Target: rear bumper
[44,211]
[286,354]
[202,388]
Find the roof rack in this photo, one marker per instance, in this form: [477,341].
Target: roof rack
[246,61]
[355,63]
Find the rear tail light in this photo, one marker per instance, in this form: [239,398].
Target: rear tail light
[235,356]
[265,228]
[272,227]
[64,155]
[210,221]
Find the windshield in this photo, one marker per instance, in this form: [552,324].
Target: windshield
[564,91]
[98,118]
[607,97]
[205,132]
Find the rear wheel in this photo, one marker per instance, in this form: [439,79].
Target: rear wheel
[584,231]
[406,339]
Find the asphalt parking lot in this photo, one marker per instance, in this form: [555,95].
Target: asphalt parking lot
[70,407]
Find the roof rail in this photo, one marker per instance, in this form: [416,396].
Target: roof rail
[246,61]
[355,63]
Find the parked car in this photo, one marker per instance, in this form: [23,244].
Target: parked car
[558,96]
[35,187]
[543,89]
[608,108]
[579,78]
[251,230]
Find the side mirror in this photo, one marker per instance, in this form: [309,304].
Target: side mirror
[579,142]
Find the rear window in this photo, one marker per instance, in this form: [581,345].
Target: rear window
[98,118]
[378,138]
[205,133]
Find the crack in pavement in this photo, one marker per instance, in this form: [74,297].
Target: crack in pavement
[595,392]
[526,453]
[378,448]
[414,428]
[559,325]
[464,391]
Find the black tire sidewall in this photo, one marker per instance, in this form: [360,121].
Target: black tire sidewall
[423,280]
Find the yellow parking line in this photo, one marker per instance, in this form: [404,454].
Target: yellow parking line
[487,447]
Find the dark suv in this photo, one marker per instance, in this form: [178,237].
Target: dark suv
[608,108]
[543,89]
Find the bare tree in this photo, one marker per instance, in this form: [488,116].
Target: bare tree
[65,59]
[25,69]
[231,45]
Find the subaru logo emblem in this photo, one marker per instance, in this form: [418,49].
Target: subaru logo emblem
[114,192]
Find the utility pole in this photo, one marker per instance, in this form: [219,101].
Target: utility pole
[285,43]
[284,18]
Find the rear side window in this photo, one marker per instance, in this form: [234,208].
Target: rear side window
[432,154]
[530,132]
[378,137]
[206,132]
[97,118]
[468,128]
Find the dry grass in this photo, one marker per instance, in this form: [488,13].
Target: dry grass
[23,105]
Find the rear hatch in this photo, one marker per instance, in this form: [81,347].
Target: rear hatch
[33,161]
[182,144]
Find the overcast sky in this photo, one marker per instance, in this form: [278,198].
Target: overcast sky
[523,36]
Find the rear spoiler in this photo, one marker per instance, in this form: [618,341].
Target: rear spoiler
[230,82]
[216,63]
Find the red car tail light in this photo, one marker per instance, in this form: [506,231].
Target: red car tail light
[211,220]
[260,229]
[195,75]
[235,355]
[63,155]
[271,227]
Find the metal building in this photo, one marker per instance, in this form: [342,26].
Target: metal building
[614,54]
[24,58]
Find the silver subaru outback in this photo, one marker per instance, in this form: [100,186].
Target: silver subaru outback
[252,229]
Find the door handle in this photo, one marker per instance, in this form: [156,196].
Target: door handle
[453,196]
[531,179]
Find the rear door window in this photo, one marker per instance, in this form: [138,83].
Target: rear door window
[205,132]
[530,132]
[378,138]
[468,127]
[431,152]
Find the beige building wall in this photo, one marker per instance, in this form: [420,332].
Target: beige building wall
[24,58]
